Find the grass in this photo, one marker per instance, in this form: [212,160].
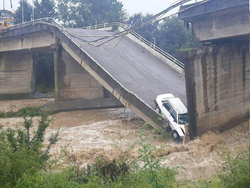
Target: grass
[23,112]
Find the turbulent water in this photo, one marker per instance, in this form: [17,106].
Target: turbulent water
[109,132]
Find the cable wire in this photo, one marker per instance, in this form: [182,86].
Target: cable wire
[148,23]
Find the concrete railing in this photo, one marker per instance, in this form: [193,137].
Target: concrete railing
[143,40]
[102,26]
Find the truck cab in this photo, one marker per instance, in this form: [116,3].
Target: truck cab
[174,111]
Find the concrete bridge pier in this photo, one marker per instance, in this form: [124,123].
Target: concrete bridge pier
[218,72]
[17,78]
[75,88]
[217,79]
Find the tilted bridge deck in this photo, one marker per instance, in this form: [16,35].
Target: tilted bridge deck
[131,73]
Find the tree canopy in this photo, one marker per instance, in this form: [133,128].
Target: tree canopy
[148,31]
[170,34]
[27,12]
[45,8]
[79,13]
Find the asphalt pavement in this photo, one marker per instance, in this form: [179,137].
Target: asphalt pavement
[133,66]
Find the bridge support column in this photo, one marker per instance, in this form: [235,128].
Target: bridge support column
[16,75]
[72,81]
[218,83]
[75,88]
[56,73]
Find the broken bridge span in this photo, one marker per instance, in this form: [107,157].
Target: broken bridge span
[124,67]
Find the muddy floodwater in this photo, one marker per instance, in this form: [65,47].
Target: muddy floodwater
[108,132]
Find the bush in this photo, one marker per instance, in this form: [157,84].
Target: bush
[235,172]
[60,179]
[108,171]
[22,154]
[153,172]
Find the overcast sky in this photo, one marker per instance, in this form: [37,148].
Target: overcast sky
[146,6]
[132,6]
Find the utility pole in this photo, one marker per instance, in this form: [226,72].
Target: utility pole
[3,5]
[154,38]
[22,13]
[33,10]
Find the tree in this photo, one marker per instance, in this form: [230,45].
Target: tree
[171,35]
[148,32]
[45,8]
[27,10]
[79,13]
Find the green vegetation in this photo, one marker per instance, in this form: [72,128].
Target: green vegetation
[235,172]
[80,13]
[26,163]
[45,8]
[171,35]
[21,154]
[23,112]
[27,9]
[45,87]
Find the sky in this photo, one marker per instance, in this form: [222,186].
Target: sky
[146,6]
[132,6]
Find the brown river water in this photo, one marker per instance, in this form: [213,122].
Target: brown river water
[109,132]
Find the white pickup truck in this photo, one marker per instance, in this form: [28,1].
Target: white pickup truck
[175,113]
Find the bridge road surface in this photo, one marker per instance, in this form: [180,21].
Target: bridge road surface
[133,66]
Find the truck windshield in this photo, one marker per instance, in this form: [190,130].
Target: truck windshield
[183,119]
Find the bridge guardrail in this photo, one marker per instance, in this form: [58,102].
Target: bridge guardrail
[139,37]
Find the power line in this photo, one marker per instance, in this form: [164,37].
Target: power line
[148,22]
[159,18]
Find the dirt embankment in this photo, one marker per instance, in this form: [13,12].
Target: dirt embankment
[109,133]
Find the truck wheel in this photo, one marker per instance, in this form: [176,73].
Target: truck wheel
[168,129]
[157,109]
[175,135]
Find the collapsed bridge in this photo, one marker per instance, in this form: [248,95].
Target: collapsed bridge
[123,71]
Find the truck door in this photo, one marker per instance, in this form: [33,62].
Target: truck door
[167,108]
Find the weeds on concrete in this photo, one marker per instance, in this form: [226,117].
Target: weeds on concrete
[45,87]
[23,112]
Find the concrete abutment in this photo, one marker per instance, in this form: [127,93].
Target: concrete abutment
[218,83]
[75,88]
